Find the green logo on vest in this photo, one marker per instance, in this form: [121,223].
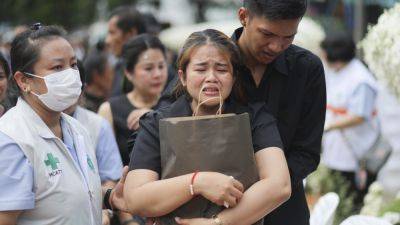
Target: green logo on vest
[90,163]
[51,161]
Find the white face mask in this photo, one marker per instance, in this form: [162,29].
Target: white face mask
[63,89]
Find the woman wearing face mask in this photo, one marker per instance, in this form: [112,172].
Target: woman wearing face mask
[145,66]
[207,66]
[48,168]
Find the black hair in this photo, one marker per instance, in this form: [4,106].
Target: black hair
[25,48]
[128,19]
[82,73]
[339,47]
[136,46]
[276,9]
[152,24]
[4,64]
[94,63]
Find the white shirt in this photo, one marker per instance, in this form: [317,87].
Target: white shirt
[350,91]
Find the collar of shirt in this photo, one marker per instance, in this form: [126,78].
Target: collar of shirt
[279,64]
[67,135]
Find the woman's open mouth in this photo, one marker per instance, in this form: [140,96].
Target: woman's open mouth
[211,91]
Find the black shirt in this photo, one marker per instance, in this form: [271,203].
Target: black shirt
[293,87]
[119,80]
[92,102]
[121,107]
[146,151]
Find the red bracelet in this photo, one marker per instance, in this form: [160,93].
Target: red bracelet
[192,182]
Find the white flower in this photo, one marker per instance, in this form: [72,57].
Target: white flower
[309,35]
[392,217]
[373,201]
[381,49]
[375,188]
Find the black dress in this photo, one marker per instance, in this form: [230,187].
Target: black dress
[121,107]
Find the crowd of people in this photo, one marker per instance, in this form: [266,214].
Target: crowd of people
[80,134]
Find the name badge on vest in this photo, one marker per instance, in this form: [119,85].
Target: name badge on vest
[52,164]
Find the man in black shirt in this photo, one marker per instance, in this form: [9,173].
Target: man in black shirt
[124,23]
[291,82]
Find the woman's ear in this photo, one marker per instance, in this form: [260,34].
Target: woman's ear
[182,77]
[128,75]
[21,81]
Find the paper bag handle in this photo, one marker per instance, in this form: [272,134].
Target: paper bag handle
[219,111]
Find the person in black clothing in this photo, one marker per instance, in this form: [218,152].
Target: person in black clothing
[144,64]
[124,23]
[207,73]
[98,80]
[291,82]
[146,68]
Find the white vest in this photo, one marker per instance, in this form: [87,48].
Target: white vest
[91,121]
[62,194]
[337,152]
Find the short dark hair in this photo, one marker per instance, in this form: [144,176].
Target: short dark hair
[339,47]
[94,63]
[136,46]
[276,9]
[129,18]
[153,26]
[25,48]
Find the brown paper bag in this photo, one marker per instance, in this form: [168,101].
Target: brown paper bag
[219,143]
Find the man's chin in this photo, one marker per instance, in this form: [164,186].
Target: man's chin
[265,59]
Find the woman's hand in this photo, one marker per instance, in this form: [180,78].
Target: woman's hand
[218,188]
[150,221]
[194,221]
[133,118]
[106,218]
[117,195]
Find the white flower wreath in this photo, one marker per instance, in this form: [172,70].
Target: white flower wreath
[381,48]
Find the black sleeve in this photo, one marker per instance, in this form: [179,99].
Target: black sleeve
[265,132]
[146,149]
[304,155]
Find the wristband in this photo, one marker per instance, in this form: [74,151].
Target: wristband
[106,199]
[192,182]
